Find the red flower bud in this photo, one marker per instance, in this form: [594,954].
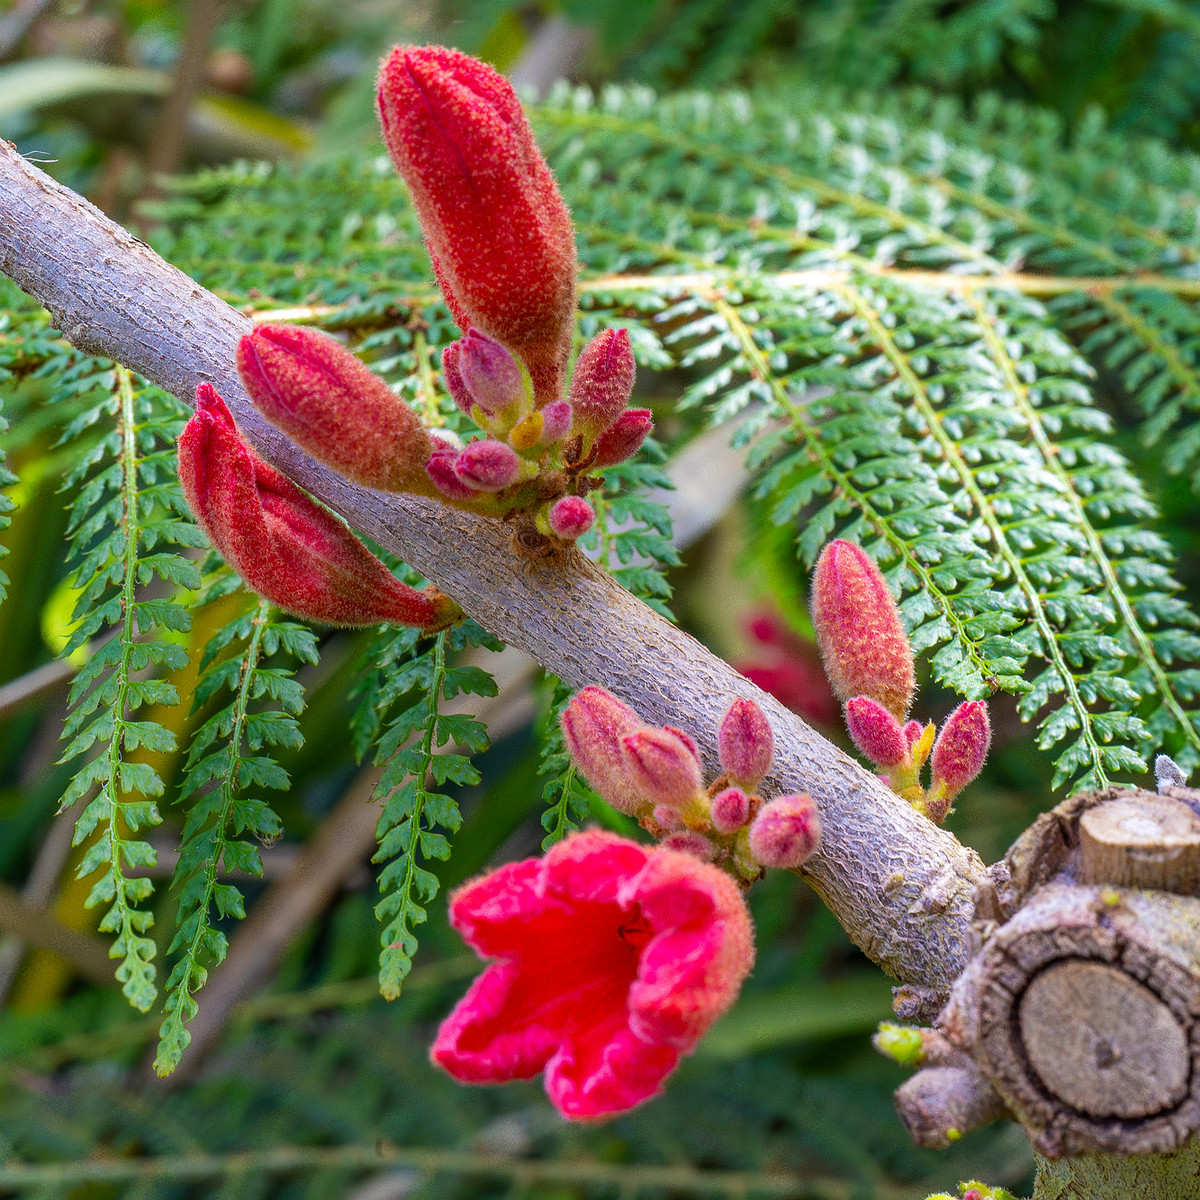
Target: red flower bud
[498,231]
[602,383]
[440,469]
[745,743]
[487,466]
[593,725]
[623,439]
[663,766]
[786,831]
[491,375]
[286,547]
[862,641]
[570,518]
[958,756]
[730,810]
[334,406]
[455,384]
[876,732]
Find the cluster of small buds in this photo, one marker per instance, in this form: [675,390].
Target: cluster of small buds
[502,248]
[653,773]
[870,665]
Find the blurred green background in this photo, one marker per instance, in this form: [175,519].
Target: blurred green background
[785,1097]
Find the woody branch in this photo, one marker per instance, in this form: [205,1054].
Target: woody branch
[899,885]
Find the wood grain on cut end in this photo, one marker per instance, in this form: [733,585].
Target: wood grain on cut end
[1102,1042]
[1144,841]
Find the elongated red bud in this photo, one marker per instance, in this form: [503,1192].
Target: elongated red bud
[745,743]
[602,383]
[334,406]
[876,733]
[958,756]
[730,810]
[593,725]
[623,439]
[286,547]
[786,831]
[487,466]
[663,767]
[498,231]
[862,640]
[570,518]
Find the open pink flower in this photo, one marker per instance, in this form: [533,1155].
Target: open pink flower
[613,958]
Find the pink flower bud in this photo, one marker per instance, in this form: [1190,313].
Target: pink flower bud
[786,831]
[862,641]
[487,466]
[490,374]
[570,518]
[498,231]
[667,817]
[745,743]
[958,756]
[440,469]
[334,406]
[730,810]
[556,422]
[602,383]
[687,841]
[913,731]
[623,439]
[663,767]
[593,725]
[286,547]
[876,733]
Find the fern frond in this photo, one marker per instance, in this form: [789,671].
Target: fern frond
[127,524]
[565,794]
[414,816]
[225,767]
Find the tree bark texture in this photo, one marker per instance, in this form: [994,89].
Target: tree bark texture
[899,885]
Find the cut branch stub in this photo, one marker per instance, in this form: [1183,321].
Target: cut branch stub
[1150,842]
[1083,1008]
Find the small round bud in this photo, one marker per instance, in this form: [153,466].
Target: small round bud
[786,831]
[570,517]
[730,810]
[487,466]
[688,842]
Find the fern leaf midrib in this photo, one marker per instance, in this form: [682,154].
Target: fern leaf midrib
[759,363]
[116,745]
[1012,560]
[1100,558]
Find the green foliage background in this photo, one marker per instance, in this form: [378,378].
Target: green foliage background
[952,325]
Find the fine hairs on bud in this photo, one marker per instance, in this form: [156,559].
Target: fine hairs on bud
[876,732]
[745,743]
[786,831]
[663,765]
[593,725]
[862,639]
[602,383]
[958,756]
[333,405]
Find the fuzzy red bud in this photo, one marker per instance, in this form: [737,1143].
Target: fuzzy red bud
[593,725]
[786,831]
[876,733]
[602,383]
[687,841]
[556,422]
[286,547]
[745,743]
[570,517]
[663,766]
[958,756]
[487,465]
[623,439]
[334,406]
[490,375]
[862,640]
[730,810]
[499,234]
